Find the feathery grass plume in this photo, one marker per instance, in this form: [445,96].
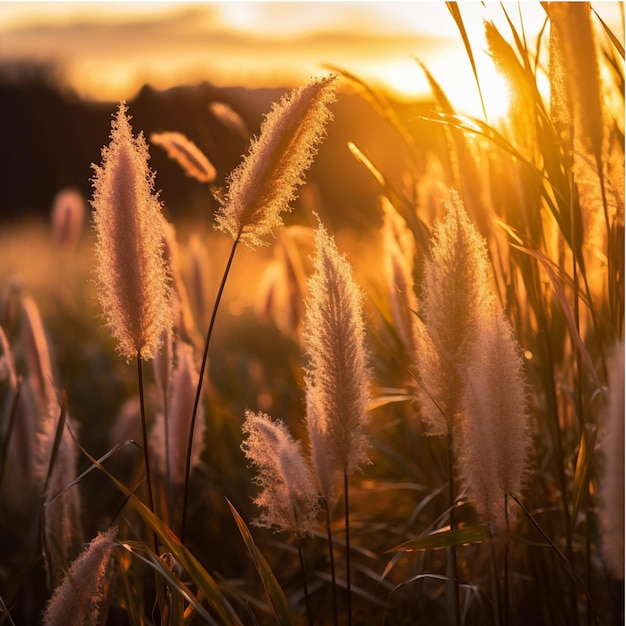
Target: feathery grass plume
[193,161]
[77,600]
[574,37]
[612,476]
[183,316]
[62,517]
[162,366]
[197,255]
[231,119]
[288,497]
[455,296]
[280,296]
[263,185]
[40,396]
[337,373]
[399,251]
[7,364]
[132,275]
[325,470]
[493,456]
[181,391]
[576,81]
[68,212]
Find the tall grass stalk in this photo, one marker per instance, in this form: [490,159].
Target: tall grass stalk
[305,585]
[131,271]
[288,498]
[262,187]
[146,447]
[337,375]
[196,401]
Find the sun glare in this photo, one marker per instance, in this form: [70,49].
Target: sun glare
[403,78]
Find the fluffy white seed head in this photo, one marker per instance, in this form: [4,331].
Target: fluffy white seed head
[131,272]
[337,370]
[76,601]
[182,150]
[263,186]
[456,293]
[288,498]
[495,434]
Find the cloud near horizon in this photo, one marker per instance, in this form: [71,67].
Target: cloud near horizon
[106,59]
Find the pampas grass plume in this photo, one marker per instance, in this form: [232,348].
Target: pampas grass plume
[399,252]
[574,37]
[262,187]
[493,456]
[76,601]
[183,316]
[132,275]
[68,213]
[193,161]
[337,373]
[63,526]
[288,496]
[455,294]
[199,277]
[7,363]
[180,396]
[231,119]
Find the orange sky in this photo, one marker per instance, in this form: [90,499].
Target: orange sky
[107,50]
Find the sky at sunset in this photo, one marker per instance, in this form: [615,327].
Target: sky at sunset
[107,50]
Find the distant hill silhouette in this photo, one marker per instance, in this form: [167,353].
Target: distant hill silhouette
[51,137]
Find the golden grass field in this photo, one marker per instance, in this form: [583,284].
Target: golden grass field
[454,372]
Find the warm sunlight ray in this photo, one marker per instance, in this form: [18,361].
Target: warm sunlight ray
[496,92]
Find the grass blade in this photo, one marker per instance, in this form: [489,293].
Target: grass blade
[277,598]
[201,578]
[445,539]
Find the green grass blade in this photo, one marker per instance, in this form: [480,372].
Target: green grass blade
[552,272]
[277,598]
[445,539]
[400,204]
[201,578]
[176,615]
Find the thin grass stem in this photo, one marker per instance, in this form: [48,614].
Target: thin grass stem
[496,581]
[571,570]
[507,545]
[146,452]
[347,515]
[453,610]
[196,402]
[332,564]
[304,583]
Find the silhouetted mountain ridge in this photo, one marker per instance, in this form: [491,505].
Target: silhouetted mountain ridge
[51,137]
